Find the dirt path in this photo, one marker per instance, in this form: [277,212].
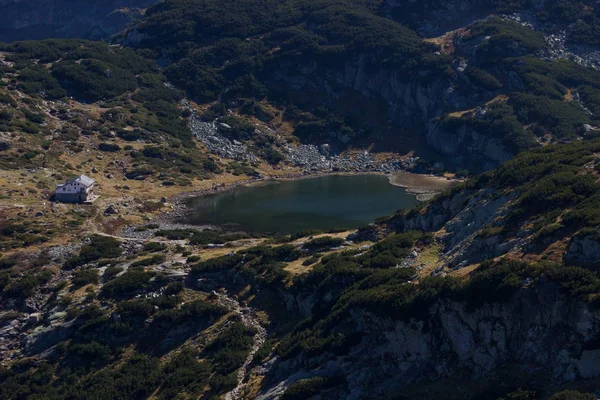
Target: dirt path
[141,239]
[248,318]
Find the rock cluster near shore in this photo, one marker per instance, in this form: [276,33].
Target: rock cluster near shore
[315,158]
[208,133]
[306,156]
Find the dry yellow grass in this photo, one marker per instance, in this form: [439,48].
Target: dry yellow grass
[297,268]
[446,41]
[429,257]
[464,272]
[568,96]
[500,98]
[458,114]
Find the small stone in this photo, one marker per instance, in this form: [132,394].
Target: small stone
[95,170]
[163,200]
[110,210]
[480,112]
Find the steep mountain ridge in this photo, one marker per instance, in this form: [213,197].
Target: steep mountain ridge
[414,91]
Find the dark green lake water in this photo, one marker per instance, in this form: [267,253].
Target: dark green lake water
[328,202]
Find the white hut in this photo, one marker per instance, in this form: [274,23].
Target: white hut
[77,190]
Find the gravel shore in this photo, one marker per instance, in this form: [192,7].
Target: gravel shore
[424,187]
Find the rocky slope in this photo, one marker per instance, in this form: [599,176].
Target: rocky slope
[443,97]
[537,329]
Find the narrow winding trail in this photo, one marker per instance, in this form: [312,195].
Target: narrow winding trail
[249,318]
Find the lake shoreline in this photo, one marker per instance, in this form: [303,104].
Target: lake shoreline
[422,186]
[425,187]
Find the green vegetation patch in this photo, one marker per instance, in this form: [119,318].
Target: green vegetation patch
[98,247]
[127,284]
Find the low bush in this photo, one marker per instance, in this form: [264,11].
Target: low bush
[154,247]
[85,276]
[127,284]
[99,247]
[323,243]
[109,147]
[306,388]
[154,260]
[110,272]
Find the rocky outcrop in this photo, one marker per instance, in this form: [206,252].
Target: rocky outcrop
[435,216]
[537,328]
[466,146]
[406,99]
[411,103]
[40,19]
[584,250]
[481,209]
[462,216]
[44,337]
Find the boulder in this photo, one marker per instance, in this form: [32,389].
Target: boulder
[584,250]
[111,210]
[34,318]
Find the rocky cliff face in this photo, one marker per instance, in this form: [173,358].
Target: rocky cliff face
[467,147]
[536,329]
[460,218]
[40,19]
[406,104]
[584,250]
[407,99]
[410,103]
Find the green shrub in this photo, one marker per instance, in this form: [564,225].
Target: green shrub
[111,272]
[482,78]
[99,247]
[127,284]
[230,349]
[154,247]
[90,353]
[273,156]
[306,388]
[154,260]
[85,276]
[323,243]
[572,395]
[184,374]
[109,147]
